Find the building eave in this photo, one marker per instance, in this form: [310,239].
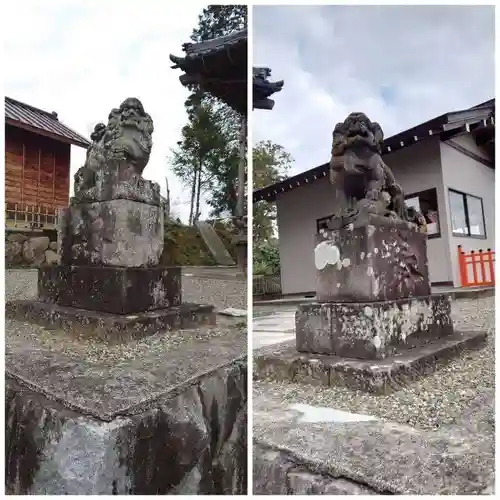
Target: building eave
[439,127]
[45,133]
[219,67]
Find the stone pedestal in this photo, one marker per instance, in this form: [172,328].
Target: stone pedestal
[115,290]
[371,263]
[375,325]
[373,330]
[122,233]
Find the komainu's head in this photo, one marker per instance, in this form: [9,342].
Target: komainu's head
[126,136]
[357,131]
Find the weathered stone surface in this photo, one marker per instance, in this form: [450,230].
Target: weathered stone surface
[17,237]
[119,233]
[371,330]
[359,172]
[126,138]
[118,180]
[53,246]
[111,327]
[34,250]
[172,442]
[283,362]
[13,253]
[275,473]
[371,263]
[376,457]
[51,257]
[115,290]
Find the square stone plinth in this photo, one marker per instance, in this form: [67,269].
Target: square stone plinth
[372,330]
[115,290]
[371,263]
[282,362]
[164,416]
[113,328]
[120,233]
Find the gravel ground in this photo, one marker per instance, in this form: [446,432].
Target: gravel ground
[436,400]
[98,351]
[218,292]
[20,284]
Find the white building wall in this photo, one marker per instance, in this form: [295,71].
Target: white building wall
[465,174]
[418,168]
[298,211]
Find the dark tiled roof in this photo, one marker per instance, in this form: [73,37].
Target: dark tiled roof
[475,118]
[194,50]
[219,67]
[28,117]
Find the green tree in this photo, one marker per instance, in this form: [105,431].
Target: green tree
[212,131]
[266,258]
[220,20]
[271,164]
[197,154]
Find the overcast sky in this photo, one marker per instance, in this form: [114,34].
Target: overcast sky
[400,65]
[83,58]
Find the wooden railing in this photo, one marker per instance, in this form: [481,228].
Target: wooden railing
[477,268]
[22,217]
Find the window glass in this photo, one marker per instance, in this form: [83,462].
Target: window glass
[458,217]
[426,203]
[475,211]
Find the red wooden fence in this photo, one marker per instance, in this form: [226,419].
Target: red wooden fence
[477,268]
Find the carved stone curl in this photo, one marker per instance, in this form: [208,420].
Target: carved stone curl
[357,168]
[126,138]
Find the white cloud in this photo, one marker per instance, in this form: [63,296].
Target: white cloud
[83,58]
[401,65]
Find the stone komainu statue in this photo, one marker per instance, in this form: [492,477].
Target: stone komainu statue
[357,168]
[127,136]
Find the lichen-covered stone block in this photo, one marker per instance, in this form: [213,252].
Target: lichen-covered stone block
[115,290]
[119,180]
[371,263]
[119,233]
[371,330]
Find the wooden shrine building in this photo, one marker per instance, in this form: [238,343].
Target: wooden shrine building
[37,166]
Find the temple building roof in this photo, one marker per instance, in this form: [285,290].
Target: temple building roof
[219,67]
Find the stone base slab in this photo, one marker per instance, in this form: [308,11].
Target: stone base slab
[167,418]
[371,263]
[297,456]
[110,327]
[371,330]
[283,362]
[115,290]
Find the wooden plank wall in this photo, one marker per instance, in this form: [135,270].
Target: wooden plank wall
[36,170]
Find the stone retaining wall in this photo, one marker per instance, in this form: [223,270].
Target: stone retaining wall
[30,249]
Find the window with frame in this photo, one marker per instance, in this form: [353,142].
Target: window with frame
[322,224]
[426,203]
[467,215]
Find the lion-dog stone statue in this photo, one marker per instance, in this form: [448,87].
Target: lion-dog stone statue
[357,168]
[127,136]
